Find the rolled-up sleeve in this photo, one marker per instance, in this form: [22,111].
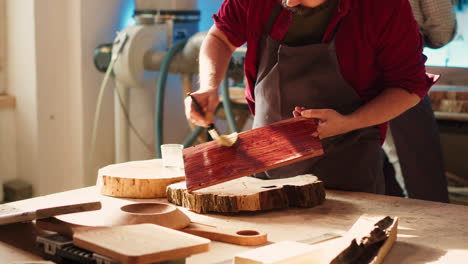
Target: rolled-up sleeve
[399,50]
[232,19]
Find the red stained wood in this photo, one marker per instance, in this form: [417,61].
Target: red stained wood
[255,151]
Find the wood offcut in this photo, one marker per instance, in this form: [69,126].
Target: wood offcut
[250,194]
[138,179]
[255,151]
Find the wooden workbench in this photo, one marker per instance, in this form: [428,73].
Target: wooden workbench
[428,232]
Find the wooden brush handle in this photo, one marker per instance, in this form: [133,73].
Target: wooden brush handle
[197,105]
[199,109]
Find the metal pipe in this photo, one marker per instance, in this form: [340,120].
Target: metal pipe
[228,105]
[160,92]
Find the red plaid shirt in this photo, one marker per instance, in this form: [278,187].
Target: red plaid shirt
[378,44]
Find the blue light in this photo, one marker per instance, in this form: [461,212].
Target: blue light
[126,15]
[208,8]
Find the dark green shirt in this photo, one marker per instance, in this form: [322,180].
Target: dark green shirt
[309,27]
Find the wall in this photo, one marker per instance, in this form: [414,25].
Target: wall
[2,47]
[100,20]
[50,45]
[21,82]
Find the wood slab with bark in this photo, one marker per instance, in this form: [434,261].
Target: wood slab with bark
[138,179]
[255,151]
[250,194]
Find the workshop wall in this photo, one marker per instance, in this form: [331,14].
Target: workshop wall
[2,47]
[50,71]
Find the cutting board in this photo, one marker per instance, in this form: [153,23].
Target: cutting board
[138,179]
[155,213]
[255,151]
[9,214]
[250,194]
[140,244]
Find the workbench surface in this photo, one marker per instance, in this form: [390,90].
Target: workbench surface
[428,232]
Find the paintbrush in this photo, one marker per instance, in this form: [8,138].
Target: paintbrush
[223,140]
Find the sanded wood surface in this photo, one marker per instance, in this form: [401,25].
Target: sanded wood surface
[255,151]
[138,179]
[284,252]
[429,232]
[250,194]
[9,214]
[368,241]
[243,237]
[140,244]
[162,214]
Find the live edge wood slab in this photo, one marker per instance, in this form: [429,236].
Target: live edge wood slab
[255,151]
[250,194]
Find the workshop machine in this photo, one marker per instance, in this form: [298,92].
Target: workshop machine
[144,58]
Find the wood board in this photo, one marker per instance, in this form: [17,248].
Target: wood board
[138,179]
[452,99]
[361,244]
[250,194]
[284,252]
[246,237]
[162,214]
[140,244]
[9,215]
[255,151]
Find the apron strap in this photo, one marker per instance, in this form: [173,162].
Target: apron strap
[274,15]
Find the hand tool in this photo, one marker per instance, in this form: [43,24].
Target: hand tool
[223,140]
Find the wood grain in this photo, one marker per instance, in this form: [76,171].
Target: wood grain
[138,179]
[255,151]
[368,241]
[449,99]
[243,237]
[250,194]
[284,252]
[9,215]
[140,244]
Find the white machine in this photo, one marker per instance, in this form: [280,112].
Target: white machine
[164,40]
[161,32]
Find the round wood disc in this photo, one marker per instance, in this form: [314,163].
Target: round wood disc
[250,194]
[138,179]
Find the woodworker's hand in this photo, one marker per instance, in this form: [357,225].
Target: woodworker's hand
[208,100]
[330,122]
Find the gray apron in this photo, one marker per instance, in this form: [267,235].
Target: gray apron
[309,76]
[417,141]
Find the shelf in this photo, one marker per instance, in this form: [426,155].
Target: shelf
[463,117]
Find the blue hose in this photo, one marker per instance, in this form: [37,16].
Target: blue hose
[160,92]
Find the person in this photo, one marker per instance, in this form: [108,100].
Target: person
[352,65]
[413,145]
